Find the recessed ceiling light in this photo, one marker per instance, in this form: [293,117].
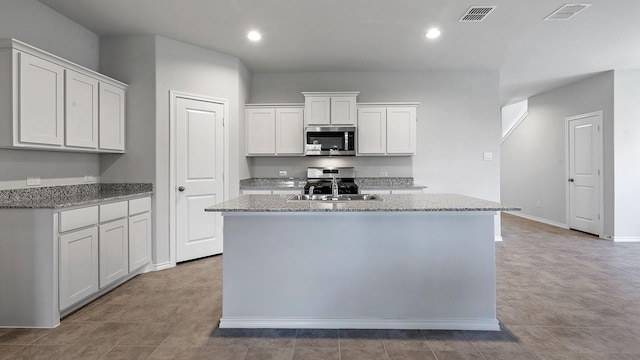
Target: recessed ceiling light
[254,36]
[432,33]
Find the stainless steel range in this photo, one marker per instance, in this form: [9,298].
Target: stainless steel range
[322,180]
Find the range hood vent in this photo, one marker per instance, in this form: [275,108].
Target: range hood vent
[476,13]
[566,11]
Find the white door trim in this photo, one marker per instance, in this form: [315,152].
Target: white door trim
[173,97]
[601,166]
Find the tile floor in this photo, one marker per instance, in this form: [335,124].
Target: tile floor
[560,295]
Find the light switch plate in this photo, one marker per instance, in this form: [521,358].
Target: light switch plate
[488,156]
[33,181]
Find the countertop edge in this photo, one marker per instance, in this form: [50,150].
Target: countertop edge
[63,204]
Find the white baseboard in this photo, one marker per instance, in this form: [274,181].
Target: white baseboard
[161,266]
[498,238]
[436,324]
[624,238]
[540,220]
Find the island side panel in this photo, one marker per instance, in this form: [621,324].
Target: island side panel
[359,270]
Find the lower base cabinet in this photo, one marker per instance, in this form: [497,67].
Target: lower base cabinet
[78,266]
[100,248]
[139,240]
[114,251]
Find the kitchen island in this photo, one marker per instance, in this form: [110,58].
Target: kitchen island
[407,262]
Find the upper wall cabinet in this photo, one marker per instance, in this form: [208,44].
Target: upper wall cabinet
[387,129]
[274,130]
[49,103]
[330,108]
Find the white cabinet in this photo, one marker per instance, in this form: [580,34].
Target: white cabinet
[289,131]
[101,245]
[274,131]
[139,240]
[330,108]
[388,191]
[260,131]
[386,130]
[372,131]
[49,103]
[112,124]
[114,251]
[78,265]
[255,192]
[81,110]
[401,130]
[40,101]
[272,192]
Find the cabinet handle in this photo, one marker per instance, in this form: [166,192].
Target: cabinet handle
[181,188]
[571,180]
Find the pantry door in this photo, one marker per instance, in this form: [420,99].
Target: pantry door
[585,172]
[199,177]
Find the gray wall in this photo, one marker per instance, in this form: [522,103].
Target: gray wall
[36,24]
[533,156]
[458,120]
[194,70]
[627,154]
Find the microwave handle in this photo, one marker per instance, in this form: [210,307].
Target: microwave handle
[346,140]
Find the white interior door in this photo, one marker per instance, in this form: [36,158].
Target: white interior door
[585,159]
[199,177]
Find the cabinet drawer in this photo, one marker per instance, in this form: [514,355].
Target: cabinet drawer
[75,219]
[113,211]
[138,206]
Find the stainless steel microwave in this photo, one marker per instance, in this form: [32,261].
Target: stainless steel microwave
[330,141]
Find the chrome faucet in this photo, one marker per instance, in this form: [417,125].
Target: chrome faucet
[334,187]
[311,188]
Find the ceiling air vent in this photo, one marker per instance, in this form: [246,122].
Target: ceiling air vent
[476,13]
[567,11]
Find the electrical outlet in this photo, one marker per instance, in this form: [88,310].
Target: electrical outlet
[487,156]
[89,178]
[283,173]
[383,174]
[33,181]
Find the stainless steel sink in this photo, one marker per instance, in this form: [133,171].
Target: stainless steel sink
[330,198]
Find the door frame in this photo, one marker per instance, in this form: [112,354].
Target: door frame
[173,98]
[567,131]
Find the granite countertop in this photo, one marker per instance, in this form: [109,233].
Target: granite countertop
[56,197]
[391,203]
[368,183]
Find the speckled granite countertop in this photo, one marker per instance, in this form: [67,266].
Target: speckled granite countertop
[391,203]
[55,197]
[366,183]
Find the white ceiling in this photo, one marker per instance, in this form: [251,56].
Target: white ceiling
[532,55]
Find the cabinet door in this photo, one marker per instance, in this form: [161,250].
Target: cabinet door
[114,251]
[289,131]
[255,192]
[317,110]
[372,131]
[343,110]
[139,240]
[78,266]
[111,118]
[41,101]
[401,131]
[261,131]
[81,110]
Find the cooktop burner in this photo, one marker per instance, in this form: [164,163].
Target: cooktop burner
[321,180]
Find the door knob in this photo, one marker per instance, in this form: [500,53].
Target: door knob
[570,179]
[181,188]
